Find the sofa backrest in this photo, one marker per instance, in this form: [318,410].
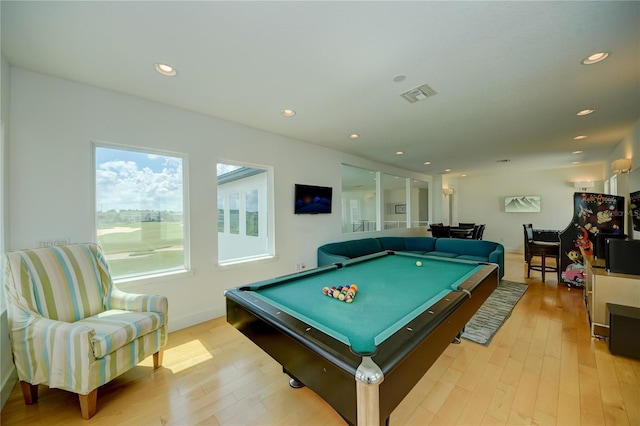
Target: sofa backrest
[63,283]
[417,244]
[411,244]
[392,243]
[354,248]
[468,247]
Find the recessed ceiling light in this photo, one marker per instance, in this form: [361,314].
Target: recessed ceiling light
[575,162]
[426,163]
[354,136]
[464,175]
[447,170]
[595,58]
[580,137]
[577,152]
[288,112]
[399,152]
[165,69]
[585,112]
[398,78]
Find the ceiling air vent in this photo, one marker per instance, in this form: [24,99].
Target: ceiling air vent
[418,93]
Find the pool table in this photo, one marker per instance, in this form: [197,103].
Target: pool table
[363,357]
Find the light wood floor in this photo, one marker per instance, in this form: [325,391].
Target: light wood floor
[542,367]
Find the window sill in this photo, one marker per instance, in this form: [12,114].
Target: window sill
[243,262]
[131,282]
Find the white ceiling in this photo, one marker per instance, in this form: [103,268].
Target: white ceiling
[508,75]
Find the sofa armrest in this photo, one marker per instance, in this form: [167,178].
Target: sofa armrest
[497,256]
[326,258]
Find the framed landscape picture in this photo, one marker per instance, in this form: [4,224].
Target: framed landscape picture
[522,204]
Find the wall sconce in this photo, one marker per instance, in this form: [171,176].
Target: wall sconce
[584,185]
[447,191]
[622,165]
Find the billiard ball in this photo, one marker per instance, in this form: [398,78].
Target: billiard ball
[418,263]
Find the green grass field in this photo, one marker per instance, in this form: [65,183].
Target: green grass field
[134,248]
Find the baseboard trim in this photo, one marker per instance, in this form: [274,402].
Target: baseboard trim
[175,324]
[194,318]
[7,387]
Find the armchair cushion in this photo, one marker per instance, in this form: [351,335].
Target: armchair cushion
[116,328]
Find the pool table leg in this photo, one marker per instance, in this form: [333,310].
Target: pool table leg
[368,379]
[458,339]
[293,381]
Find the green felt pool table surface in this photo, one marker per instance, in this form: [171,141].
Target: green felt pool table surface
[392,290]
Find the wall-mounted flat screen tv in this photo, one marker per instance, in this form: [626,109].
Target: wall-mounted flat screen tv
[311,199]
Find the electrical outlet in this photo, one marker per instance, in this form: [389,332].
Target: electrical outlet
[54,242]
[301,266]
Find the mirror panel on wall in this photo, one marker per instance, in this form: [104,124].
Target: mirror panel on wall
[359,198]
[394,196]
[419,201]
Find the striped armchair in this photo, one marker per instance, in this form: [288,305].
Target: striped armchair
[71,328]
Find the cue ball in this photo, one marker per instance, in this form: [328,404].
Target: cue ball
[418,263]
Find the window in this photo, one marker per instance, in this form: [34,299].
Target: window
[220,214]
[140,221]
[359,200]
[252,213]
[244,230]
[234,213]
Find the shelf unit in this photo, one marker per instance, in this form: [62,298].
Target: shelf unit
[602,287]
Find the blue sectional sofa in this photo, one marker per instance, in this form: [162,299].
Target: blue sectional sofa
[478,250]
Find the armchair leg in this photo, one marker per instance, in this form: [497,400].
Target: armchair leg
[89,404]
[157,359]
[30,392]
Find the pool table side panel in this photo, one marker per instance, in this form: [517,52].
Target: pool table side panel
[408,370]
[333,384]
[317,341]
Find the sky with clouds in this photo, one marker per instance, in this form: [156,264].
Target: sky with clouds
[138,181]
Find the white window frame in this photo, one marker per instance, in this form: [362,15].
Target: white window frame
[269,220]
[151,275]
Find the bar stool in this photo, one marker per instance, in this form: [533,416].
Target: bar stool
[543,250]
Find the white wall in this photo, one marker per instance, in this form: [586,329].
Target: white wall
[480,199]
[8,376]
[53,122]
[627,183]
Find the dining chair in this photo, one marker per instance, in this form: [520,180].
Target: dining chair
[478,231]
[443,231]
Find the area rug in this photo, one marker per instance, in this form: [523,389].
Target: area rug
[494,312]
